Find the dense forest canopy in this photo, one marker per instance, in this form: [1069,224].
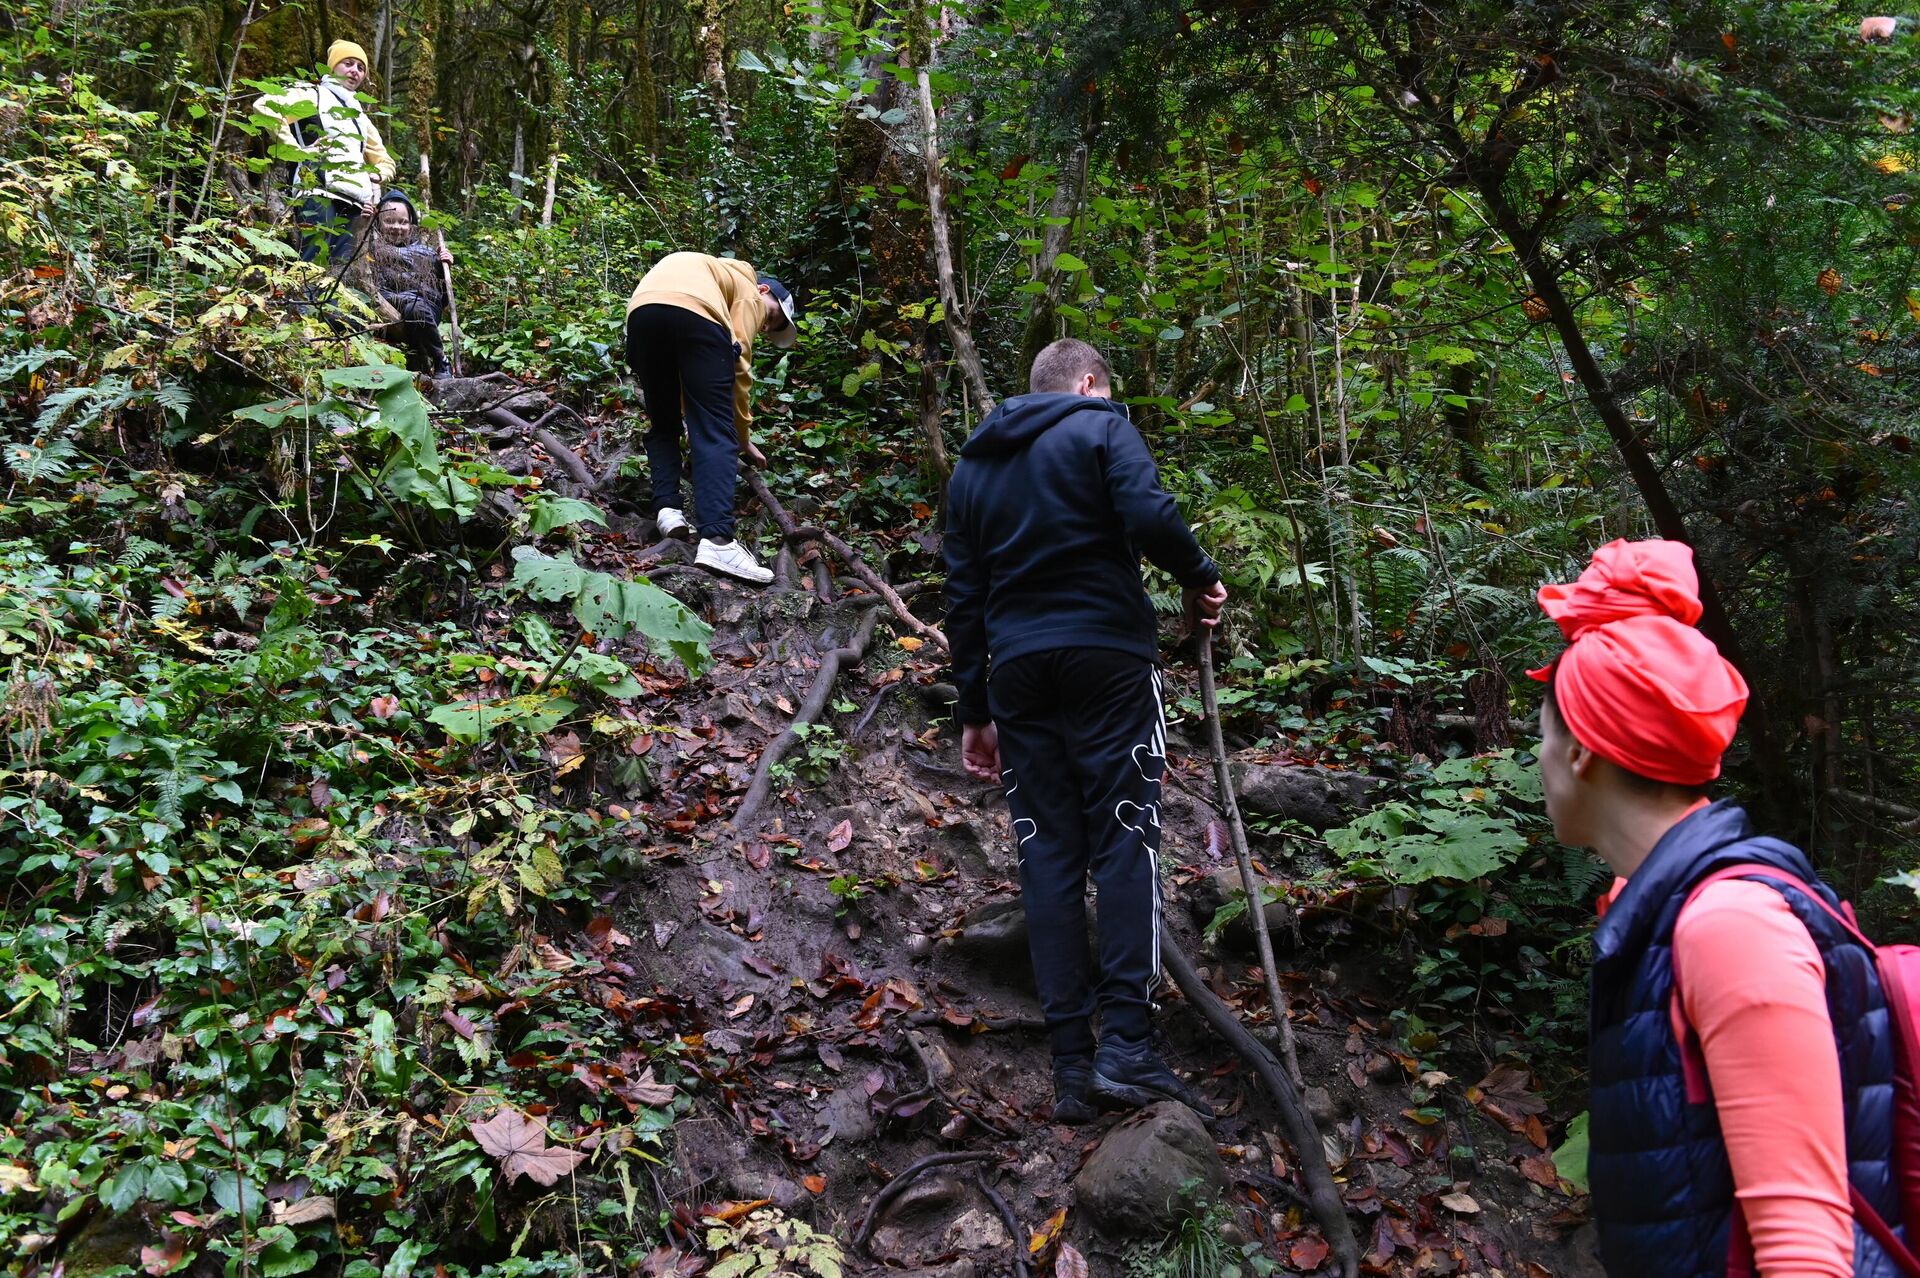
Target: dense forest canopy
[1415,303]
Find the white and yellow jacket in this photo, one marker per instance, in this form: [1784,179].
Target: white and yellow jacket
[350,160]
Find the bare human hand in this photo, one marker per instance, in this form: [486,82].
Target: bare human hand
[755,458]
[1203,606]
[980,751]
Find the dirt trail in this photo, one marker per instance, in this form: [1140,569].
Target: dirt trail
[849,987]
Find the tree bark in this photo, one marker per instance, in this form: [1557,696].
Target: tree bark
[958,330]
[1777,779]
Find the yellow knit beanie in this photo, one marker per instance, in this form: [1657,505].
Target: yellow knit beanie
[340,50]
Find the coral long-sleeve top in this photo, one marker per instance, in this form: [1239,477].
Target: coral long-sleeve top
[1753,986]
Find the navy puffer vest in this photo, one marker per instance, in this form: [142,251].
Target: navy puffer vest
[1662,1187]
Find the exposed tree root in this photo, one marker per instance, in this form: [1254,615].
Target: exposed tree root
[898,1185]
[1296,1123]
[751,807]
[848,556]
[1020,1266]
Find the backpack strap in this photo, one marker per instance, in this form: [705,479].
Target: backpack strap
[1694,1065]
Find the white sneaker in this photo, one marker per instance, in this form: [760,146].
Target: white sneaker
[733,559]
[672,523]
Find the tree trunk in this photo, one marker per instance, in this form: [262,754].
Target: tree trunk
[709,18]
[1777,788]
[958,330]
[646,93]
[1065,203]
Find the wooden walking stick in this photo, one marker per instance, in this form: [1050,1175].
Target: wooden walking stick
[1256,906]
[446,270]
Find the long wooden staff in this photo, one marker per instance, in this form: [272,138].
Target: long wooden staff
[446,269]
[1237,833]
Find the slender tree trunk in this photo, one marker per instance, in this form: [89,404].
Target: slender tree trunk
[958,330]
[1778,787]
[646,93]
[1062,209]
[710,18]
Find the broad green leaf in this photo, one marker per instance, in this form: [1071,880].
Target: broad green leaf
[546,513]
[127,1187]
[1570,1160]
[609,606]
[469,722]
[1069,263]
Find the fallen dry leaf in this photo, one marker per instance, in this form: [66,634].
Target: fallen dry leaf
[1540,1170]
[1048,1234]
[734,1209]
[385,706]
[162,1260]
[1460,1202]
[1069,1263]
[911,643]
[644,1090]
[815,1184]
[1309,1253]
[520,1143]
[304,1212]
[841,837]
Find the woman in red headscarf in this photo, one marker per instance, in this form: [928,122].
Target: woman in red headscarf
[1741,1058]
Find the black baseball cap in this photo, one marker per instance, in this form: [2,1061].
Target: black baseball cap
[783,337]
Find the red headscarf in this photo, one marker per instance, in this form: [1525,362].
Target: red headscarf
[1637,683]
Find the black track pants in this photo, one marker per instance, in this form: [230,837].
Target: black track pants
[1083,744]
[684,363]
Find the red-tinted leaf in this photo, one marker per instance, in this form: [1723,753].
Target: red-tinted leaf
[841,837]
[161,1260]
[1309,1253]
[1069,1263]
[1540,1170]
[384,706]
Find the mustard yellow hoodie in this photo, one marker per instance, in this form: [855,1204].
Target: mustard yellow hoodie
[722,289]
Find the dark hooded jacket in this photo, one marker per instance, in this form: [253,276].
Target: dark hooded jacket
[1052,505]
[409,275]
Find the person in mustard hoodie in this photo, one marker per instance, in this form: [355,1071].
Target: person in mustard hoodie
[347,161]
[691,325]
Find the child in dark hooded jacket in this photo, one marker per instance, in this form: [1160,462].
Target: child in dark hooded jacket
[407,274]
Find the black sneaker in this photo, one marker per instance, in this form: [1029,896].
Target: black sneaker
[1130,1076]
[1072,1075]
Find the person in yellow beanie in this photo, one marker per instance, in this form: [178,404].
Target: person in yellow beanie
[342,159]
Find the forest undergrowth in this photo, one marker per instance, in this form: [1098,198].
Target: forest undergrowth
[413,867]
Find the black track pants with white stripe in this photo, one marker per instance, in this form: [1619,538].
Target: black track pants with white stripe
[1083,744]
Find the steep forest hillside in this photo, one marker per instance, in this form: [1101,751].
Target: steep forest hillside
[415,864]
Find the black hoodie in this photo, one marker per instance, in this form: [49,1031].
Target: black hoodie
[1053,503]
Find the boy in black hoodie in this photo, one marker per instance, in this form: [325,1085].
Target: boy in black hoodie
[1053,503]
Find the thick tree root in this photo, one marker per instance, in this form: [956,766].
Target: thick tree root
[850,557]
[898,1185]
[752,806]
[1021,1269]
[1296,1123]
